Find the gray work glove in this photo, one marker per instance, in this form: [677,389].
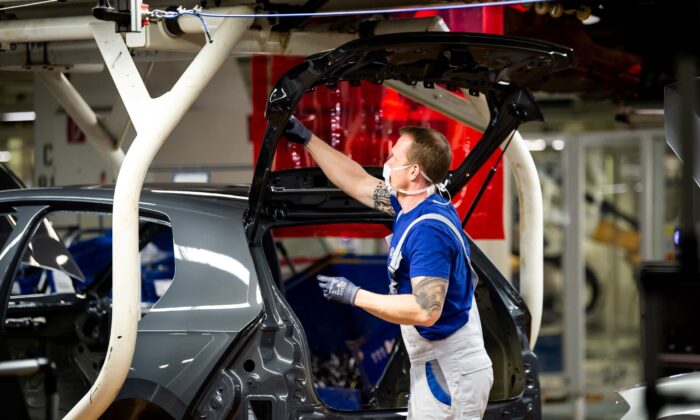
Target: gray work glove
[295,131]
[338,289]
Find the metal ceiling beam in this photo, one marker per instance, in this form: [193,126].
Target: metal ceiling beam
[156,36]
[48,29]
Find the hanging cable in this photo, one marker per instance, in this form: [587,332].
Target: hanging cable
[3,8]
[204,25]
[490,175]
[175,14]
[181,11]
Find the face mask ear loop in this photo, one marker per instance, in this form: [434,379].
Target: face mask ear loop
[442,188]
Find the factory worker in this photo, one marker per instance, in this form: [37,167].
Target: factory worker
[432,281]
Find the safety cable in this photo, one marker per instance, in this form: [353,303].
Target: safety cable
[490,175]
[174,14]
[204,25]
[2,8]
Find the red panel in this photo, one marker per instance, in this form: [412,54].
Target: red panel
[463,20]
[492,20]
[426,13]
[363,123]
[74,134]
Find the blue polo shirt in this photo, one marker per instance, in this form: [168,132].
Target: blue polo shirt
[432,249]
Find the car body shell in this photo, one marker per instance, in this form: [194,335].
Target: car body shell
[223,309]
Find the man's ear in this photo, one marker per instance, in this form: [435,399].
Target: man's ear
[414,173]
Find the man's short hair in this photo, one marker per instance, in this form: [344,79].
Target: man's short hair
[430,150]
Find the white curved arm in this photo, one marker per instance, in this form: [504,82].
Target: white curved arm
[154,120]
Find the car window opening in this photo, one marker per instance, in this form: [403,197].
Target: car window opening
[61,297]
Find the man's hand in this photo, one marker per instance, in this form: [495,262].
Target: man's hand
[295,131]
[338,289]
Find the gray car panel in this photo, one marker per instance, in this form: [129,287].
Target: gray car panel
[215,281]
[214,295]
[193,362]
[176,361]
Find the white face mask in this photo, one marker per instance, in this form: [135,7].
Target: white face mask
[386,173]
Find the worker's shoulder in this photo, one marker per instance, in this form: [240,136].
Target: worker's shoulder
[446,213]
[430,230]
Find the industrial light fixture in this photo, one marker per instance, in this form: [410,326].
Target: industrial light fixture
[536,145]
[591,20]
[636,115]
[18,116]
[659,112]
[558,144]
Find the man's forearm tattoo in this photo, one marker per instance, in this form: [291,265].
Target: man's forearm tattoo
[430,293]
[382,199]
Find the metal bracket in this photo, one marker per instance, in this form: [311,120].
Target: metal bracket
[127,16]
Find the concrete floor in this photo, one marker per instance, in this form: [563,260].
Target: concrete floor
[606,409]
[603,378]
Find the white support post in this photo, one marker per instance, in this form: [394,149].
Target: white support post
[154,119]
[474,113]
[531,227]
[653,197]
[118,122]
[648,162]
[85,118]
[574,284]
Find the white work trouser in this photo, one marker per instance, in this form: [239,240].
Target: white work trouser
[450,378]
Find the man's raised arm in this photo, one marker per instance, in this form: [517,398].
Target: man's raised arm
[342,171]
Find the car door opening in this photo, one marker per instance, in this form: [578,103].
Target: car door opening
[357,360]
